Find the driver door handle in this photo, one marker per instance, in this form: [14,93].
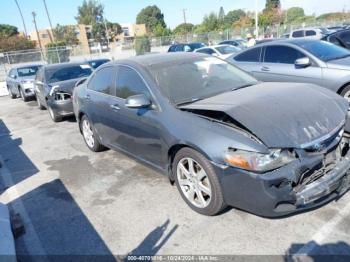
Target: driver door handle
[265,68]
[115,107]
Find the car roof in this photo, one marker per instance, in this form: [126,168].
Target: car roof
[213,46]
[154,59]
[97,59]
[338,32]
[295,41]
[63,65]
[26,65]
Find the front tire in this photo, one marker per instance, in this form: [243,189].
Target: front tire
[41,107]
[23,96]
[12,95]
[90,136]
[197,182]
[346,93]
[56,118]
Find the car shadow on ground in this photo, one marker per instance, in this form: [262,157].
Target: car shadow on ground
[153,242]
[55,227]
[16,161]
[313,252]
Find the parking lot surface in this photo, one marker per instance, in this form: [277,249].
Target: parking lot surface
[73,201]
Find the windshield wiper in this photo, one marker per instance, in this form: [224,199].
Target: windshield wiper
[188,102]
[242,86]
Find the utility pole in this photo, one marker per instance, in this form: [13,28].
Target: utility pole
[24,24]
[184,15]
[48,17]
[256,20]
[37,34]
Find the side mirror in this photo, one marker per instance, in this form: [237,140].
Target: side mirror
[138,101]
[81,81]
[302,62]
[13,76]
[53,90]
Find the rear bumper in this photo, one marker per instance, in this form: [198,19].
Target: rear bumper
[274,194]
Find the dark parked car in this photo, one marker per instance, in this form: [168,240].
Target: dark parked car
[54,85]
[223,138]
[340,38]
[240,43]
[94,63]
[298,60]
[186,47]
[19,81]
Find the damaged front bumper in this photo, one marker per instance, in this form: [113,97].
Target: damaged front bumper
[306,183]
[61,103]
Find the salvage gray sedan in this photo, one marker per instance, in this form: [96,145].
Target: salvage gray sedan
[224,139]
[298,60]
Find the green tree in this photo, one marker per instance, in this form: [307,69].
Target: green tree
[66,34]
[183,29]
[8,30]
[14,43]
[142,45]
[57,52]
[90,12]
[221,14]
[211,23]
[293,14]
[272,4]
[152,17]
[233,16]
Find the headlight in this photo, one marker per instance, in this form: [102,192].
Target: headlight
[259,162]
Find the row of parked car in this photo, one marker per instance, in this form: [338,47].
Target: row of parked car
[223,137]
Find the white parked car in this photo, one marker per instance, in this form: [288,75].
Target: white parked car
[316,33]
[221,51]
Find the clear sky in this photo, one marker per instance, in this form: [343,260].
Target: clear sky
[125,11]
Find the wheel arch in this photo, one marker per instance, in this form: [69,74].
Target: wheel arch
[172,151]
[342,87]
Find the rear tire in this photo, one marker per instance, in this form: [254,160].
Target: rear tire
[201,190]
[346,92]
[56,118]
[89,135]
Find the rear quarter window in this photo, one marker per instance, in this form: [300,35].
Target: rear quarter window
[299,33]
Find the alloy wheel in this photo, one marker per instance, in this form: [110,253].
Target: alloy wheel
[88,133]
[347,96]
[194,182]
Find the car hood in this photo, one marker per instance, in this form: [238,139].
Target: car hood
[23,78]
[343,64]
[66,86]
[281,115]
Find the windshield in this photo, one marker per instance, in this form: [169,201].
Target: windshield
[325,50]
[227,49]
[67,73]
[27,71]
[194,46]
[198,78]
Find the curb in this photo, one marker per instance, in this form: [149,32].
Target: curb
[7,244]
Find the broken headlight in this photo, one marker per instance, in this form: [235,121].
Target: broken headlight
[257,161]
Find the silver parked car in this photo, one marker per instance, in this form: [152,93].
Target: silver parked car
[20,81]
[298,60]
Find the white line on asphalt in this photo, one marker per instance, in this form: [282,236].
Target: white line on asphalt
[325,231]
[6,176]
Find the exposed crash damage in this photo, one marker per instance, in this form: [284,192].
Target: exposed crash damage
[317,141]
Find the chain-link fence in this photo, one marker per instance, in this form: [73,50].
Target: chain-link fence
[125,48]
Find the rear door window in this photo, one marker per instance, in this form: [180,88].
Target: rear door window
[310,33]
[208,51]
[251,55]
[282,55]
[103,81]
[299,33]
[345,37]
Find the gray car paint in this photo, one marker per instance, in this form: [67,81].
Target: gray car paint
[290,110]
[332,75]
[293,115]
